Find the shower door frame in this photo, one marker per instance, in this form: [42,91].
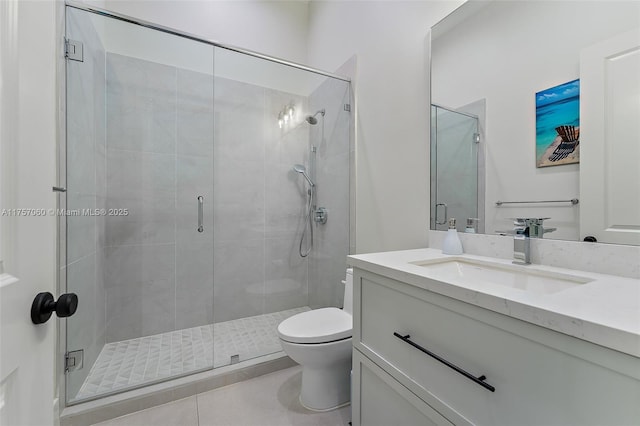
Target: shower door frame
[61,243]
[184,34]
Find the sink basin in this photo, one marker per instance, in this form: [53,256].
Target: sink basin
[477,272]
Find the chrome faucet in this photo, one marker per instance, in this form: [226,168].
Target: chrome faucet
[524,229]
[522,246]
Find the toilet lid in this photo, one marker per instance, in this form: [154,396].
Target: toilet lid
[316,326]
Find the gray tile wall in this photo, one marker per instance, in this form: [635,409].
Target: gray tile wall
[194,250]
[162,153]
[159,160]
[85,190]
[239,196]
[327,262]
[286,273]
[258,202]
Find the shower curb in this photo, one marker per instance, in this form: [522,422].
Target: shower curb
[110,407]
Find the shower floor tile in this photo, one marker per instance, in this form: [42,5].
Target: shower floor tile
[129,363]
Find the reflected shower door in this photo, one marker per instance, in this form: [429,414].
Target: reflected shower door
[139,251]
[454,168]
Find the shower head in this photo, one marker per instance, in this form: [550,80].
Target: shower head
[299,168]
[311,119]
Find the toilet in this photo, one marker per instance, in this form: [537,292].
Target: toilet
[320,341]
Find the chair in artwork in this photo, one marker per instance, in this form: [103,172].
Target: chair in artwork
[570,136]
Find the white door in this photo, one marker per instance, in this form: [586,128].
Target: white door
[610,140]
[28,171]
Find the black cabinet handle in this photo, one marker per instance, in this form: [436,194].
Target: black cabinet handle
[44,305]
[479,380]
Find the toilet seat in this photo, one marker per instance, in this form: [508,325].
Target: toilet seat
[316,326]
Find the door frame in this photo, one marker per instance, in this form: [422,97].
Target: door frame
[28,174]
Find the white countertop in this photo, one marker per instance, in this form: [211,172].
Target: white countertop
[605,311]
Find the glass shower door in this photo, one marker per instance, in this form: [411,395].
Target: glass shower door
[269,118]
[454,167]
[139,222]
[259,278]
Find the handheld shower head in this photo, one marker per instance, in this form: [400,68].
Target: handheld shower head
[311,119]
[299,168]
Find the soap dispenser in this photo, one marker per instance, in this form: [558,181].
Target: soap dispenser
[452,244]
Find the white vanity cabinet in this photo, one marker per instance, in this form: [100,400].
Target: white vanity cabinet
[532,375]
[383,401]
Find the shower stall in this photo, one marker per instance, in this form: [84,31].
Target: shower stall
[184,214]
[457,169]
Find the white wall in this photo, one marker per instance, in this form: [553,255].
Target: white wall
[155,46]
[392,210]
[277,28]
[478,60]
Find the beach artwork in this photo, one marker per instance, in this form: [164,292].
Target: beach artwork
[558,125]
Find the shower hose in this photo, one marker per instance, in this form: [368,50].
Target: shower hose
[308,223]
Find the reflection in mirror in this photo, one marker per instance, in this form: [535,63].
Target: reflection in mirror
[501,54]
[454,169]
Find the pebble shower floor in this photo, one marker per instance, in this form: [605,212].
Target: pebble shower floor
[130,363]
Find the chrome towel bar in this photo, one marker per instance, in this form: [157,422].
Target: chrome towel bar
[573,201]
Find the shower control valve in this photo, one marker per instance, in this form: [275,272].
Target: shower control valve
[320,215]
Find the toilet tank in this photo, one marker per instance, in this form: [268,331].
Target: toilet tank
[348,292]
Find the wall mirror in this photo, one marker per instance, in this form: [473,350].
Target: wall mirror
[536,113]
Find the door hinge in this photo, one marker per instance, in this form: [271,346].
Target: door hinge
[73,50]
[347,107]
[476,137]
[73,360]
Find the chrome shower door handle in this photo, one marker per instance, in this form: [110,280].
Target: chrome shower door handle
[200,213]
[444,222]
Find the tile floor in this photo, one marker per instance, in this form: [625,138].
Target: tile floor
[129,363]
[270,400]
